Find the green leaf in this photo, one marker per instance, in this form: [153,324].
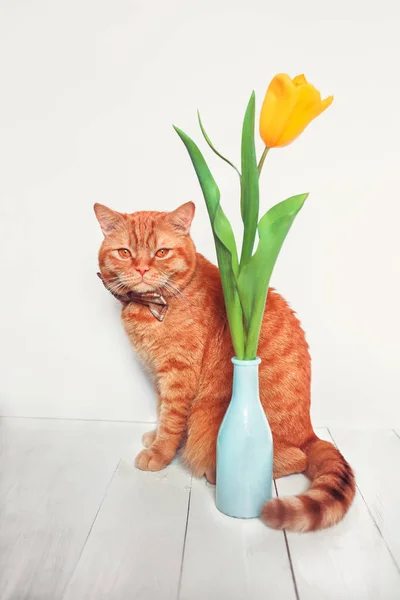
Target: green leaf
[203,131]
[249,201]
[255,275]
[225,243]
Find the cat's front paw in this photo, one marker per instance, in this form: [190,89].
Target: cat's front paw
[150,460]
[148,438]
[211,476]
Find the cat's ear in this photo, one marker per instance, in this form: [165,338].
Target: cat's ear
[109,219]
[181,218]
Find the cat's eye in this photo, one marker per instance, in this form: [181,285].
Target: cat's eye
[162,252]
[124,253]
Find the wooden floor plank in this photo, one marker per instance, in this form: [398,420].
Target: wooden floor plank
[231,559]
[348,561]
[135,547]
[375,456]
[53,476]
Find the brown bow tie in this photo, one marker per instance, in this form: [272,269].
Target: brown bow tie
[157,304]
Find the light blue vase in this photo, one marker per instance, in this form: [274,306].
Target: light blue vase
[244,448]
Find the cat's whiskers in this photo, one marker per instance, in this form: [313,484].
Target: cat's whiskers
[121,283]
[115,287]
[113,278]
[127,282]
[172,289]
[170,286]
[177,293]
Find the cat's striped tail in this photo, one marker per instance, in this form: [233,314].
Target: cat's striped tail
[327,499]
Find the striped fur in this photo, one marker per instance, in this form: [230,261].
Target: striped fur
[188,356]
[327,499]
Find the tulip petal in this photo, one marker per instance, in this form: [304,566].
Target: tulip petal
[308,95]
[308,99]
[300,80]
[302,116]
[278,105]
[323,106]
[280,86]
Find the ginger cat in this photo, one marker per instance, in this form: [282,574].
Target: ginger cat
[188,351]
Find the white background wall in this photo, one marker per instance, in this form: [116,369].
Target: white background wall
[88,92]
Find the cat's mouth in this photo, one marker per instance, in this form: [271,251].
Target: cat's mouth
[150,284]
[121,286]
[160,284]
[143,286]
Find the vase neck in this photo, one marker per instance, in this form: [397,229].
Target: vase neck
[245,379]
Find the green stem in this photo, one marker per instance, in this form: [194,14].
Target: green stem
[262,159]
[252,340]
[235,319]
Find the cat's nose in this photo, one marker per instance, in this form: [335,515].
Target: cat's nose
[142,270]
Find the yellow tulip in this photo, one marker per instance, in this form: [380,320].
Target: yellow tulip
[289,106]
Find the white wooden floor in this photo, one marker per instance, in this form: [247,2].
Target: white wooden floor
[78,521]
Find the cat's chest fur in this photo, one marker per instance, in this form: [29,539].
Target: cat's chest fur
[154,340]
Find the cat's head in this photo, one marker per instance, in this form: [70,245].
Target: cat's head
[146,251]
